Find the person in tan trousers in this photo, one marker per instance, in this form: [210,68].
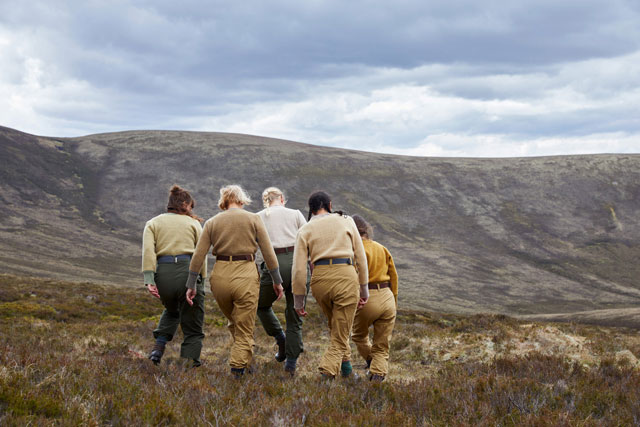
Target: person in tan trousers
[380,311]
[332,242]
[235,235]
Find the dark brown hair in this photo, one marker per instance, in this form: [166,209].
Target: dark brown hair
[179,199]
[364,228]
[320,200]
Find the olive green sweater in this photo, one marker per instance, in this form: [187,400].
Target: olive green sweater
[327,236]
[168,234]
[234,232]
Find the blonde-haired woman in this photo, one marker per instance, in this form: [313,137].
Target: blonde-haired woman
[380,311]
[282,225]
[235,235]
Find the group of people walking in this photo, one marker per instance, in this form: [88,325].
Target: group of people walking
[259,258]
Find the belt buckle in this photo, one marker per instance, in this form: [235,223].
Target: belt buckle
[175,259]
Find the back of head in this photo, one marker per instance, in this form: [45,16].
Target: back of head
[364,228]
[271,194]
[180,201]
[317,201]
[232,194]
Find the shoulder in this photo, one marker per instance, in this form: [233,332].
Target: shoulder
[157,220]
[380,247]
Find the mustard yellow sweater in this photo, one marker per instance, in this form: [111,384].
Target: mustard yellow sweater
[381,267]
[168,234]
[327,236]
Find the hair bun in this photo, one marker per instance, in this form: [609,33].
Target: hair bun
[176,189]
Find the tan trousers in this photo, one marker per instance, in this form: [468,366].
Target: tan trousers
[236,285]
[380,311]
[336,289]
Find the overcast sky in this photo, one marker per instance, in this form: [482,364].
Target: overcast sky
[434,78]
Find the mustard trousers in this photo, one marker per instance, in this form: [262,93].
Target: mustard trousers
[336,289]
[236,285]
[380,311]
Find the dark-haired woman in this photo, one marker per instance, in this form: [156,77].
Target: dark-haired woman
[235,235]
[380,311]
[168,243]
[332,242]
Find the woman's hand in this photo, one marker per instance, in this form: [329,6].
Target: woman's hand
[277,288]
[301,312]
[362,302]
[191,294]
[153,290]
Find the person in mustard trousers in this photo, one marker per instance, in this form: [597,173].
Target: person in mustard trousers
[380,310]
[168,243]
[338,280]
[282,225]
[235,235]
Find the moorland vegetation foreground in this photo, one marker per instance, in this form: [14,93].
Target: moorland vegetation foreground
[75,354]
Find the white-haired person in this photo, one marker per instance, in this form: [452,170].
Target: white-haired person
[235,235]
[380,310]
[282,225]
[333,244]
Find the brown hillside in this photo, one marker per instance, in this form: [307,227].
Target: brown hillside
[519,236]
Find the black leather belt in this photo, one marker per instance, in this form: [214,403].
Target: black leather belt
[235,257]
[279,251]
[173,259]
[329,261]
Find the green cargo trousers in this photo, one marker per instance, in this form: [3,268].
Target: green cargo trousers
[170,280]
[266,315]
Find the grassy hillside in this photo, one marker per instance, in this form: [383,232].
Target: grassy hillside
[532,236]
[74,354]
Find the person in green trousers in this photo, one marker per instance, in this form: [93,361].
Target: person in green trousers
[168,243]
[282,225]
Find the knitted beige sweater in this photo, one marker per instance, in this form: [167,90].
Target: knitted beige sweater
[169,234]
[327,236]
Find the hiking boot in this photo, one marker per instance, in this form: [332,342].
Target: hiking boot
[156,354]
[237,372]
[290,366]
[346,369]
[281,354]
[375,378]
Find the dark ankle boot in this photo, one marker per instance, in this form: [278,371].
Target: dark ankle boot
[290,366]
[156,354]
[281,341]
[375,378]
[237,372]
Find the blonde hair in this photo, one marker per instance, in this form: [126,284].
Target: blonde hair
[232,194]
[269,195]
